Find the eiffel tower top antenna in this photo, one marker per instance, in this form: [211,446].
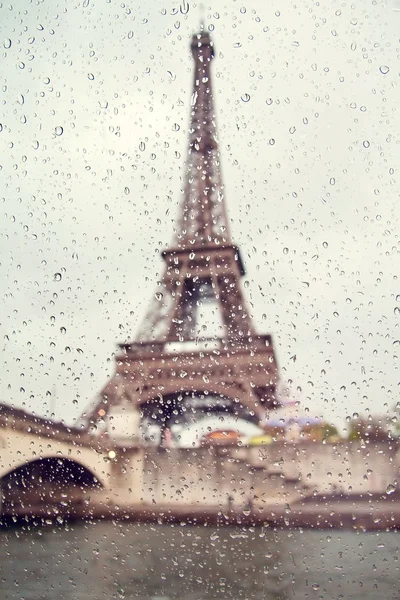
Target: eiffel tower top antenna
[202,16]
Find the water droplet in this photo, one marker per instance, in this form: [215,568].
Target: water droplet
[384,69]
[158,296]
[245,97]
[325,244]
[390,489]
[63,330]
[315,586]
[59,130]
[127,191]
[366,144]
[184,7]
[142,146]
[7,43]
[57,276]
[286,251]
[332,181]
[271,142]
[90,76]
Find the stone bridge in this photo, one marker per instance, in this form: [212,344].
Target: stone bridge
[45,462]
[47,466]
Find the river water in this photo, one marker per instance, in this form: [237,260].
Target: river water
[103,561]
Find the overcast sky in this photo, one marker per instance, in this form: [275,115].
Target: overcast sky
[94,117]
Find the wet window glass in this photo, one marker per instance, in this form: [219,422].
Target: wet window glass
[200,307]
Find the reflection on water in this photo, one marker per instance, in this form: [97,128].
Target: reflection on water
[125,560]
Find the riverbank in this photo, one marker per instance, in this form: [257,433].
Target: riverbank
[356,513]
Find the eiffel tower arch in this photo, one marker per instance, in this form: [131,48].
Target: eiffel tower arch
[197,345]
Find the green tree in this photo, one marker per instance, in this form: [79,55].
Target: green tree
[330,431]
[374,429]
[395,421]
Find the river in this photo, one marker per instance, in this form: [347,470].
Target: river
[103,561]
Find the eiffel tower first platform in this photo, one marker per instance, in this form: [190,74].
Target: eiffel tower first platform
[177,353]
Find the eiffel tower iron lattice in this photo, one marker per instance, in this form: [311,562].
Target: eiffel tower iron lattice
[202,264]
[176,351]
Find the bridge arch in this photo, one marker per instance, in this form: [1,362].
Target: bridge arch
[188,410]
[12,459]
[232,392]
[53,480]
[56,465]
[170,394]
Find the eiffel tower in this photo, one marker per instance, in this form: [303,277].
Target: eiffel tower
[197,340]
